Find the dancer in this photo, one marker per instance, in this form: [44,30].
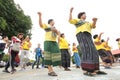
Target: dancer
[3,45]
[90,57]
[101,47]
[76,55]
[52,55]
[14,50]
[38,55]
[24,56]
[65,55]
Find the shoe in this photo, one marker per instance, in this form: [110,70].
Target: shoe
[13,70]
[37,68]
[77,66]
[52,74]
[101,73]
[6,71]
[89,74]
[66,69]
[107,67]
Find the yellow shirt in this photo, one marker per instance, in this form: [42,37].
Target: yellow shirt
[74,49]
[63,44]
[48,35]
[103,45]
[108,48]
[26,45]
[85,27]
[99,46]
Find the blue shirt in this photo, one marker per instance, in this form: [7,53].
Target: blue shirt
[38,52]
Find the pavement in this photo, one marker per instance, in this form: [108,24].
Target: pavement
[74,74]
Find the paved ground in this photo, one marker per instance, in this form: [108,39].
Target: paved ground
[75,74]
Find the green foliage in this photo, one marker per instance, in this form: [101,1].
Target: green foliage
[3,23]
[6,57]
[13,20]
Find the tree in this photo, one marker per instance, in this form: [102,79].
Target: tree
[13,20]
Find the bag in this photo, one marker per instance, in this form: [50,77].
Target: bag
[16,46]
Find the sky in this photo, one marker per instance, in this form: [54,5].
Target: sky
[107,12]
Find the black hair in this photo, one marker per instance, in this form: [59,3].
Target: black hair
[49,21]
[4,37]
[102,40]
[95,36]
[80,14]
[73,43]
[61,34]
[19,35]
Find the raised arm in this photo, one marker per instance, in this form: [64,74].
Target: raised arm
[99,37]
[94,22]
[59,36]
[70,15]
[107,40]
[40,19]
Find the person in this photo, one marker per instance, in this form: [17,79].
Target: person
[90,57]
[107,57]
[65,55]
[24,56]
[101,47]
[3,45]
[38,55]
[76,55]
[118,41]
[108,49]
[52,55]
[14,50]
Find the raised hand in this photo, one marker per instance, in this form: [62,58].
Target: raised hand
[71,9]
[39,13]
[94,19]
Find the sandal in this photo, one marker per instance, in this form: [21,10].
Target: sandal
[67,69]
[52,74]
[89,74]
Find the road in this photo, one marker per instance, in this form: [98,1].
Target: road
[74,74]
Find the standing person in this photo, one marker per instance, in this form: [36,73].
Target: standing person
[38,55]
[65,55]
[24,56]
[14,50]
[3,45]
[90,57]
[52,55]
[76,55]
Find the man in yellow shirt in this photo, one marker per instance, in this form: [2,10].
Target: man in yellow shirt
[52,55]
[90,57]
[65,55]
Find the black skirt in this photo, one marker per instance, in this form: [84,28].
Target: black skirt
[104,55]
[90,57]
[65,57]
